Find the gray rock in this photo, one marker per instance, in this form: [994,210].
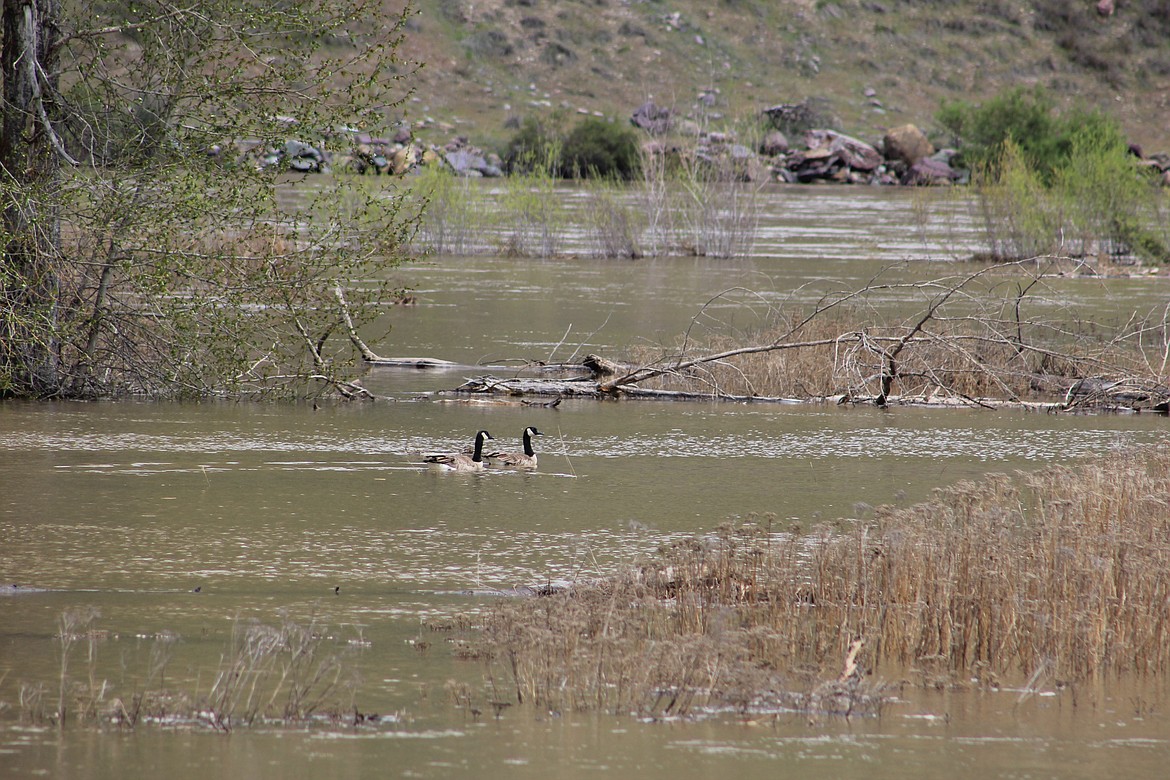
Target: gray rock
[775,143]
[930,171]
[907,144]
[652,118]
[466,162]
[852,152]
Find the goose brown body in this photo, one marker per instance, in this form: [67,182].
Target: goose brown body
[458,461]
[518,460]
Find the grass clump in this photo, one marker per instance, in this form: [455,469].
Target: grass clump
[282,673]
[1042,580]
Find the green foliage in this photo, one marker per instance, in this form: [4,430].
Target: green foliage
[536,146]
[1104,197]
[593,148]
[1017,210]
[1054,182]
[1024,117]
[147,251]
[596,148]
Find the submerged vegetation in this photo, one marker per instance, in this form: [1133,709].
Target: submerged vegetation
[1038,581]
[702,208]
[284,673]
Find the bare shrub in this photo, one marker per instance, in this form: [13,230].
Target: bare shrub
[77,626]
[988,334]
[531,219]
[272,672]
[455,214]
[613,225]
[700,203]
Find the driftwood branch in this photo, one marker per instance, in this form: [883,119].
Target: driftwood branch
[644,373]
[966,345]
[374,358]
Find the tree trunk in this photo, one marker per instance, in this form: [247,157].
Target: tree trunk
[30,168]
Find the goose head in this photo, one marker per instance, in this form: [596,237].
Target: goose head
[529,432]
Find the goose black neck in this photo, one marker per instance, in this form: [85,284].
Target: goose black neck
[528,444]
[478,456]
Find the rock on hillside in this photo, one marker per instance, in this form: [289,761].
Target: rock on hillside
[875,65]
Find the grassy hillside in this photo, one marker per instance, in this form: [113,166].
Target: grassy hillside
[875,63]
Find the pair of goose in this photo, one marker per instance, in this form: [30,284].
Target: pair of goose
[460,461]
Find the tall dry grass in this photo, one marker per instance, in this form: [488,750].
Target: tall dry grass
[1056,577]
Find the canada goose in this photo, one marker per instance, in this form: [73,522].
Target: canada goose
[460,462]
[518,460]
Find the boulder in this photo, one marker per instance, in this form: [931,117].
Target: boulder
[1159,160]
[302,157]
[404,159]
[774,144]
[470,162]
[855,154]
[907,144]
[653,118]
[369,157]
[791,116]
[811,165]
[929,171]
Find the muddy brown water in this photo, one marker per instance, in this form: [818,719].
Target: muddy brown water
[180,522]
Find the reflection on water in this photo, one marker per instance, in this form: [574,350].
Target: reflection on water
[183,520]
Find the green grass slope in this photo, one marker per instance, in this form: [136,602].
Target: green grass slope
[875,64]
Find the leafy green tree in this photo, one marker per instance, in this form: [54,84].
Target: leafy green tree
[595,147]
[592,148]
[536,146]
[145,250]
[1029,119]
[1104,196]
[1054,182]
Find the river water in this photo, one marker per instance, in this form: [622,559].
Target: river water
[173,525]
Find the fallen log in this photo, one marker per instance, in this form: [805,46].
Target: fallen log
[600,366]
[586,388]
[583,388]
[411,362]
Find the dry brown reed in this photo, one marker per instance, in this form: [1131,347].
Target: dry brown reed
[282,673]
[274,672]
[1056,577]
